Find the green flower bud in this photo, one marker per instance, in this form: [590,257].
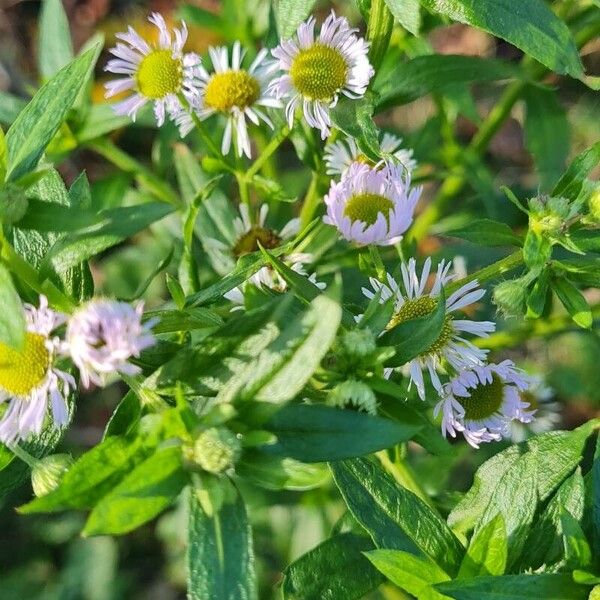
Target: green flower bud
[548,214]
[13,203]
[214,450]
[354,394]
[358,342]
[510,297]
[48,471]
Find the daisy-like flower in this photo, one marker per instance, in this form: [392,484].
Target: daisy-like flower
[248,235]
[411,301]
[540,398]
[482,402]
[29,381]
[372,205]
[341,155]
[103,335]
[317,69]
[234,92]
[153,73]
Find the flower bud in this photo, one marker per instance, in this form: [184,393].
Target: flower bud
[48,471]
[215,450]
[358,342]
[354,394]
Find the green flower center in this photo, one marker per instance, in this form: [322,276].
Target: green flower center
[422,307]
[21,371]
[231,88]
[366,207]
[159,75]
[484,401]
[319,72]
[248,242]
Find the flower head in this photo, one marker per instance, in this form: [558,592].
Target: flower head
[341,155]
[371,205]
[29,381]
[153,73]
[317,69]
[412,301]
[232,91]
[103,335]
[481,402]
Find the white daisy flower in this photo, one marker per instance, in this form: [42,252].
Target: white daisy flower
[372,205]
[540,398]
[481,402]
[29,381]
[341,155]
[248,235]
[103,335]
[153,73]
[234,92]
[317,69]
[412,301]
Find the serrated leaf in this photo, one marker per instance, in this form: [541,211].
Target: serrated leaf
[394,517]
[334,569]
[531,27]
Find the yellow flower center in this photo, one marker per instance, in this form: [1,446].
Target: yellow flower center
[248,242]
[159,75]
[231,88]
[366,207]
[23,370]
[484,401]
[319,72]
[421,307]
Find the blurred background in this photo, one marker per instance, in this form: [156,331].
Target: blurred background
[43,557]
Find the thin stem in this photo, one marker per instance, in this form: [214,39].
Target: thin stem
[199,125]
[311,201]
[19,452]
[269,149]
[243,187]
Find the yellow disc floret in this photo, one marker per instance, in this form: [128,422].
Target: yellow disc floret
[422,307]
[366,207]
[484,401]
[159,75]
[319,72]
[230,89]
[23,370]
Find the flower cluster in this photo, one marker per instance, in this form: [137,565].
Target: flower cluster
[100,338]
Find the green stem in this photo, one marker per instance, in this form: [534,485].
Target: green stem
[31,461]
[242,182]
[311,201]
[269,149]
[379,31]
[489,273]
[199,125]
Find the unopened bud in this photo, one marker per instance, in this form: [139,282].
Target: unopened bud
[355,394]
[48,472]
[359,342]
[215,450]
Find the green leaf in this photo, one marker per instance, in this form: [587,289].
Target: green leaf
[314,433]
[538,296]
[571,183]
[574,301]
[546,134]
[41,118]
[10,107]
[12,315]
[289,14]
[394,517]
[333,570]
[578,554]
[531,27]
[114,226]
[414,337]
[557,454]
[220,556]
[413,574]
[280,473]
[189,319]
[101,119]
[423,75]
[487,551]
[55,49]
[92,476]
[486,232]
[202,18]
[537,249]
[148,490]
[515,587]
[407,13]
[125,417]
[355,119]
